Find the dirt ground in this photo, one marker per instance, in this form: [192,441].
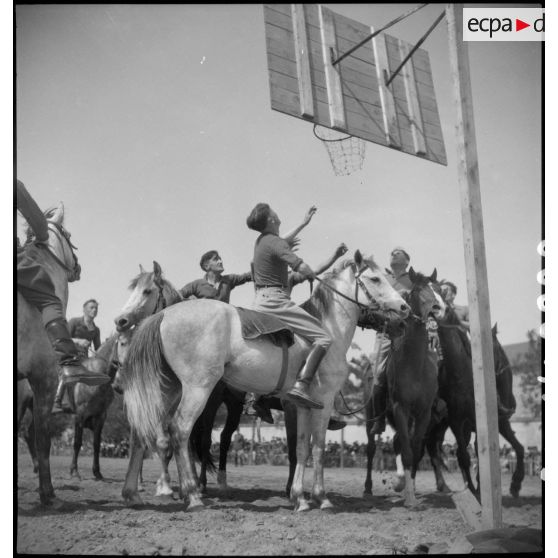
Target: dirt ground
[256,519]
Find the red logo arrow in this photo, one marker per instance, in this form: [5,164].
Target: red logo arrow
[519,25]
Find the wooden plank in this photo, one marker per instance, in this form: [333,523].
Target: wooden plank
[333,78]
[415,117]
[477,282]
[302,61]
[391,126]
[278,19]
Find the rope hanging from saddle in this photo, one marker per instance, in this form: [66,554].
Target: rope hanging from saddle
[349,413]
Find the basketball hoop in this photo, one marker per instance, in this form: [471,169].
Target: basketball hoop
[346,152]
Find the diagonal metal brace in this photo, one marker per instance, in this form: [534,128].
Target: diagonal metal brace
[414,49]
[364,41]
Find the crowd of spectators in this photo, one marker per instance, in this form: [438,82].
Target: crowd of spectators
[275,452]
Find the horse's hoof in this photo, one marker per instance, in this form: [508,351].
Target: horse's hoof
[54,503]
[99,477]
[141,488]
[195,504]
[326,506]
[514,491]
[163,490]
[302,506]
[75,475]
[444,489]
[367,495]
[133,500]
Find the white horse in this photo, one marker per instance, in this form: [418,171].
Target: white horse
[177,356]
[36,360]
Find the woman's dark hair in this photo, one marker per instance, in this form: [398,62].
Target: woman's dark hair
[257,220]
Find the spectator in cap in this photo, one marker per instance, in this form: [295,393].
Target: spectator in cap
[214,284]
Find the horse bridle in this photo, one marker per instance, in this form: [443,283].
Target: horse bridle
[374,305]
[73,271]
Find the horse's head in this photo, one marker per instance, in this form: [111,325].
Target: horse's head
[150,294]
[424,298]
[373,290]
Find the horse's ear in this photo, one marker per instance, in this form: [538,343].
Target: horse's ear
[141,269]
[412,274]
[157,270]
[434,276]
[358,258]
[495,328]
[58,214]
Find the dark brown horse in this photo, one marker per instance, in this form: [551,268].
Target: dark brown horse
[457,390]
[412,373]
[92,403]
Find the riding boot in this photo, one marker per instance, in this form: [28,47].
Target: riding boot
[68,359]
[57,406]
[298,394]
[379,406]
[336,424]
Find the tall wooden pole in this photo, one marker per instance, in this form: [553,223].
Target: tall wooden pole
[477,280]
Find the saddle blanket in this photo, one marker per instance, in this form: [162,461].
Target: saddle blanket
[257,324]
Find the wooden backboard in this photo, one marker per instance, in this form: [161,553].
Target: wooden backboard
[303,39]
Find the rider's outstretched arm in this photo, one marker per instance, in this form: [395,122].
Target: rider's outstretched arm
[32,212]
[289,237]
[339,251]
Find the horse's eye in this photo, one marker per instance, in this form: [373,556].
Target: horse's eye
[375,279]
[147,292]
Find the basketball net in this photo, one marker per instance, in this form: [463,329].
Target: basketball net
[346,153]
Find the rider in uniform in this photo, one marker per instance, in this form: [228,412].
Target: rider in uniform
[272,258]
[36,286]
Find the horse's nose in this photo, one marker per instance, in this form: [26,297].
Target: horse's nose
[122,323]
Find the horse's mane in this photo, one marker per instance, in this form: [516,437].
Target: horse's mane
[30,234]
[320,302]
[172,296]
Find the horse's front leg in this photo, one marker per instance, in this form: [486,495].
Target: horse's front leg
[290,425]
[78,437]
[319,427]
[130,488]
[434,447]
[234,413]
[97,430]
[370,452]
[41,414]
[401,421]
[519,473]
[302,451]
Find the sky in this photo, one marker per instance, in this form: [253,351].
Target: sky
[153,125]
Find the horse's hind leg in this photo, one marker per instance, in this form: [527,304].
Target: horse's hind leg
[463,437]
[519,473]
[78,437]
[188,410]
[130,488]
[98,423]
[165,452]
[417,442]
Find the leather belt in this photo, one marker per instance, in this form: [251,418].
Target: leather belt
[276,286]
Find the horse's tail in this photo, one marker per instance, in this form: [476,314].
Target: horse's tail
[142,376]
